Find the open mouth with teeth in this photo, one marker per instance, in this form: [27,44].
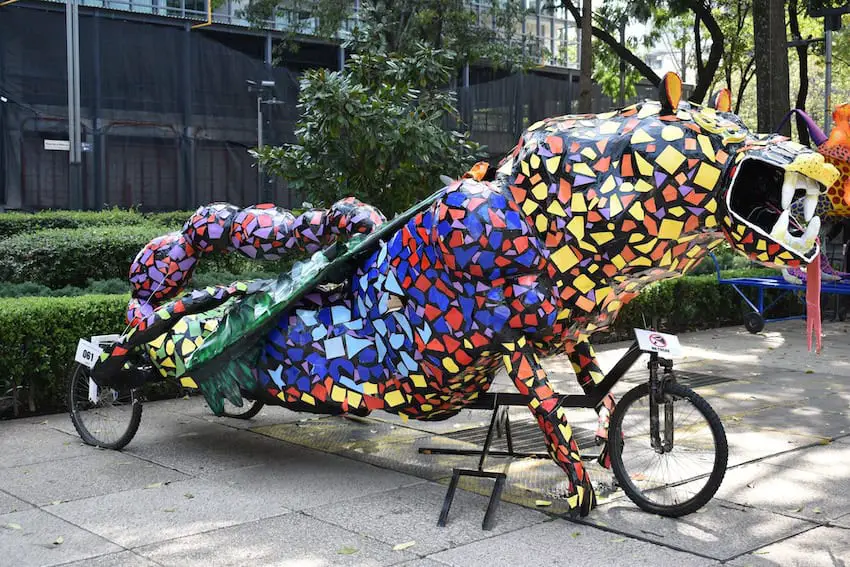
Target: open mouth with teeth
[761,196]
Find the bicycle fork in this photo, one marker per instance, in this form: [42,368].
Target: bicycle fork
[656,399]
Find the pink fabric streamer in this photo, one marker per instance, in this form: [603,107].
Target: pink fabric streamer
[813,322]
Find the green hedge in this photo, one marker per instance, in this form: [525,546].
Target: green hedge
[693,302]
[60,257]
[39,335]
[17,223]
[121,286]
[70,257]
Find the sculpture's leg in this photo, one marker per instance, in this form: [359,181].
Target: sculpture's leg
[529,377]
[589,374]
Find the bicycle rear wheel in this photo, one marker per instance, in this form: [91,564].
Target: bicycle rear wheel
[249,409]
[111,421]
[676,481]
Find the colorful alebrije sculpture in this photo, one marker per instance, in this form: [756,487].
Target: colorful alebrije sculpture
[488,274]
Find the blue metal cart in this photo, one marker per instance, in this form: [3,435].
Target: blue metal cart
[755,320]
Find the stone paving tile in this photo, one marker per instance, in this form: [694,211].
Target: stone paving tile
[120,559]
[309,479]
[565,544]
[138,517]
[820,547]
[830,460]
[410,514]
[9,503]
[195,406]
[28,538]
[788,491]
[750,443]
[70,479]
[28,442]
[289,540]
[810,417]
[720,529]
[194,446]
[842,521]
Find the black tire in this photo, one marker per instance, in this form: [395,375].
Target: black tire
[249,409]
[699,484]
[754,322]
[112,422]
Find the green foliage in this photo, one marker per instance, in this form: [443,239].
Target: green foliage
[401,25]
[39,337]
[606,72]
[375,131]
[16,223]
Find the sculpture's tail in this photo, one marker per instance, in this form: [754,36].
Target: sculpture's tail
[813,322]
[264,232]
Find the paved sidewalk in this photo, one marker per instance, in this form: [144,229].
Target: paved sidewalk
[193,489]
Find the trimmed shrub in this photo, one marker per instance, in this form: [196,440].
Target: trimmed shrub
[39,337]
[61,257]
[17,223]
[57,258]
[174,220]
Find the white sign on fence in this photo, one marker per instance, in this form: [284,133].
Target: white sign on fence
[65,145]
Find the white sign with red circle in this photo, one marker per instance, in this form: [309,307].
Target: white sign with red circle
[662,343]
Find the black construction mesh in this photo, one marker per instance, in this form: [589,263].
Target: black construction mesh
[167,116]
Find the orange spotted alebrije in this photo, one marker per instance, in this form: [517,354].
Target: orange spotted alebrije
[836,150]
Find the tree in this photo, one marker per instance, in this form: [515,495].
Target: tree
[738,53]
[585,94]
[802,49]
[610,72]
[647,10]
[375,130]
[771,60]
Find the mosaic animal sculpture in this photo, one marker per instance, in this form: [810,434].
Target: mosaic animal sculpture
[834,204]
[485,275]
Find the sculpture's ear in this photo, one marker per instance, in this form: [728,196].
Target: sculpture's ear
[721,100]
[670,92]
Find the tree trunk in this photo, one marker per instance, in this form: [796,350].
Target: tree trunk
[803,58]
[771,56]
[585,96]
[706,70]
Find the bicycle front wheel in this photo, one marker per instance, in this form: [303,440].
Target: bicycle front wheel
[684,473]
[111,420]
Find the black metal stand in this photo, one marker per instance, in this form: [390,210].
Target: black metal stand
[499,413]
[499,403]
